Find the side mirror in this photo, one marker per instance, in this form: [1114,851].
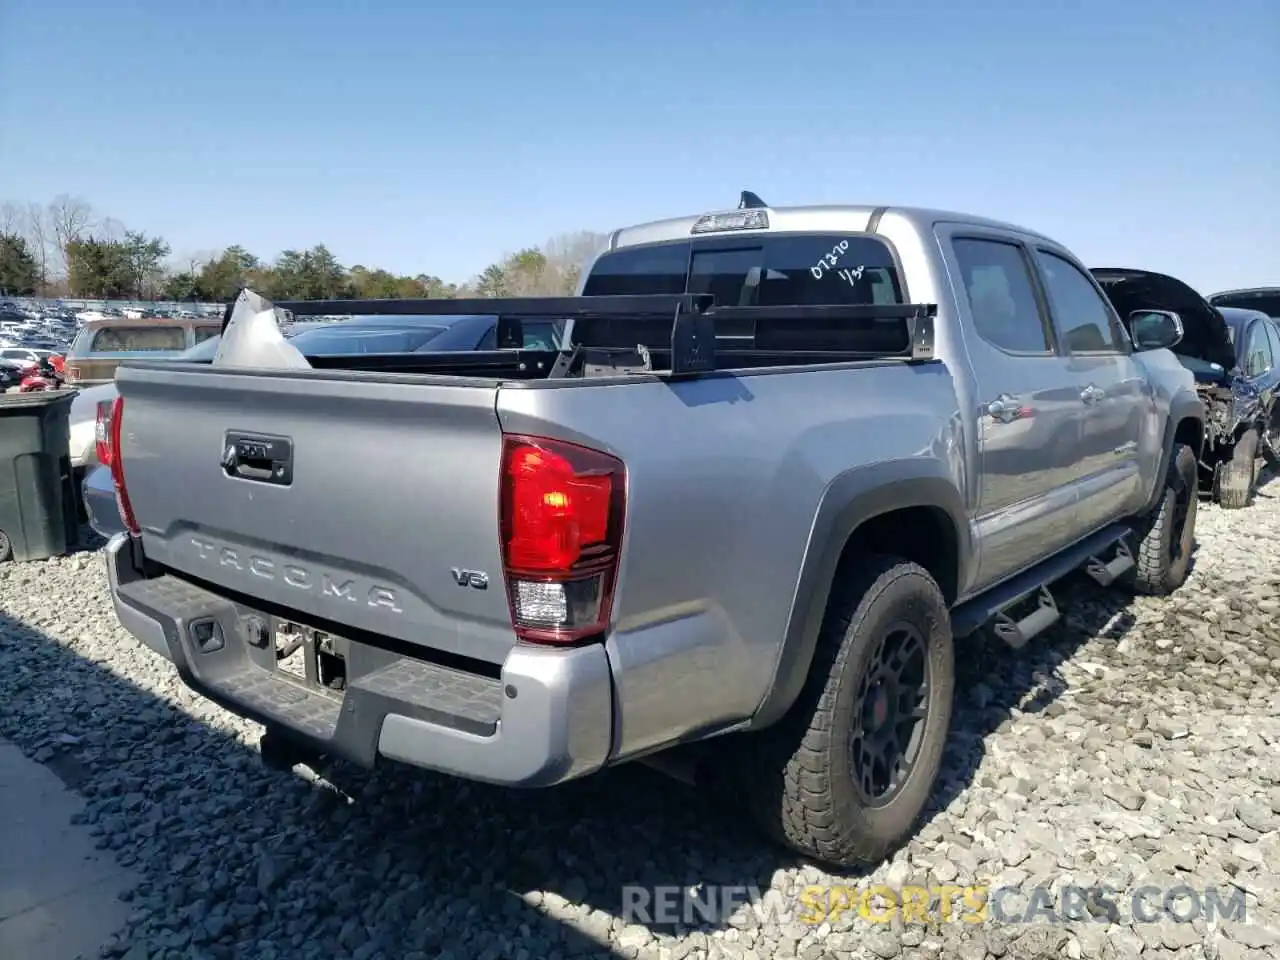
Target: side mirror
[1155,329]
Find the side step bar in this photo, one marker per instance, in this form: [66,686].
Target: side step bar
[994,605]
[1107,572]
[1016,633]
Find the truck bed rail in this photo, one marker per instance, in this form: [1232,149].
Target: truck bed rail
[673,333]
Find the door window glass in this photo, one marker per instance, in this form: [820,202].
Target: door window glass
[1001,297]
[1079,311]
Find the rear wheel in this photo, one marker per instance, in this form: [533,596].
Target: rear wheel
[1238,477]
[845,776]
[1167,534]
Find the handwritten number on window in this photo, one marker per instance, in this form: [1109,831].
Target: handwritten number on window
[828,261]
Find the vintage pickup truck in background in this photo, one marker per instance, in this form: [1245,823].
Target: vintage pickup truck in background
[788,459]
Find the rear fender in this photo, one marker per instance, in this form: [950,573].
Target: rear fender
[849,501]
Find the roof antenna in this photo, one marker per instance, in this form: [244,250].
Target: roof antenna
[750,201]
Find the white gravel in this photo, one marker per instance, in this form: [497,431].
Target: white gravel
[1138,743]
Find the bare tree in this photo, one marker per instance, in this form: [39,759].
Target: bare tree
[195,260]
[110,229]
[568,254]
[11,218]
[36,229]
[69,218]
[575,248]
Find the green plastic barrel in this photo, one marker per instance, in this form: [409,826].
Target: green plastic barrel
[37,498]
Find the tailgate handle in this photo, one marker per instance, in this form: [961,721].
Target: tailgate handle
[255,457]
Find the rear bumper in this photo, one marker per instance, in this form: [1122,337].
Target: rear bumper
[546,719]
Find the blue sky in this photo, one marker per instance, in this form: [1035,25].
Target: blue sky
[434,137]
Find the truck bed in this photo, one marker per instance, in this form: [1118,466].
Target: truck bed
[364,490]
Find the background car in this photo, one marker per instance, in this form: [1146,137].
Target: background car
[41,356]
[19,368]
[101,345]
[411,334]
[1266,299]
[1256,337]
[1238,412]
[10,376]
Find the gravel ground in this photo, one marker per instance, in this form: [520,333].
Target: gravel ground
[1137,743]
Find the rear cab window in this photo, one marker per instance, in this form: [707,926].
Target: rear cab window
[762,270]
[777,269]
[138,339]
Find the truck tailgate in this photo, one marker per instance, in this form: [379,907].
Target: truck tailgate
[354,499]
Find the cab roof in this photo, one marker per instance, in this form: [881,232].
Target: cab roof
[837,218]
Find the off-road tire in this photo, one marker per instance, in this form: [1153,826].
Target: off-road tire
[796,776]
[6,548]
[1238,477]
[1156,572]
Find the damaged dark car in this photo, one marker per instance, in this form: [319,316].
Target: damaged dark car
[1234,355]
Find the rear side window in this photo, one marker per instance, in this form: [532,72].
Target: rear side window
[1001,297]
[204,333]
[138,339]
[775,270]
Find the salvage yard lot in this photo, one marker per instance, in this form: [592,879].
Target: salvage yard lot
[1135,744]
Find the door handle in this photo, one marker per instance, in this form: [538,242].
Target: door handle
[1092,394]
[1003,408]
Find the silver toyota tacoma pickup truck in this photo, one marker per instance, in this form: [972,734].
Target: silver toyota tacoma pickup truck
[788,459]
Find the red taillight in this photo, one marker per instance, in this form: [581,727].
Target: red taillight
[116,463]
[562,509]
[102,432]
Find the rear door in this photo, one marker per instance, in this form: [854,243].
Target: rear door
[1120,432]
[1028,407]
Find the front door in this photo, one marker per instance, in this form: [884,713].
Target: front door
[1027,405]
[1116,399]
[1259,368]
[1271,384]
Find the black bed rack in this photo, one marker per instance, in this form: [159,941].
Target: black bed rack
[690,327]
